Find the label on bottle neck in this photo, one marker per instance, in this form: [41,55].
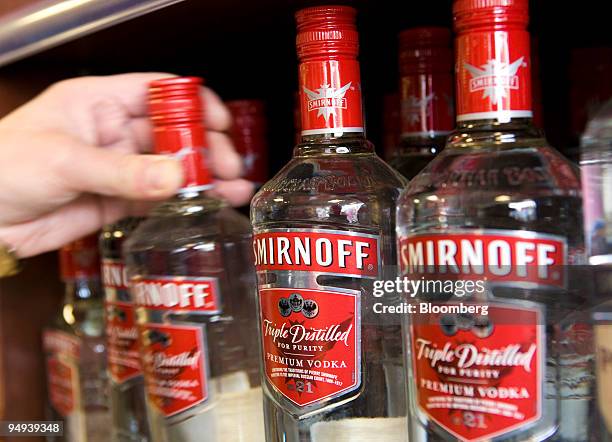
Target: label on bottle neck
[426,104]
[330,96]
[493,75]
[175,363]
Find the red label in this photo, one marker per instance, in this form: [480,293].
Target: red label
[328,251]
[493,75]
[311,343]
[494,255]
[177,293]
[479,377]
[80,259]
[114,275]
[330,95]
[427,104]
[63,352]
[122,336]
[174,362]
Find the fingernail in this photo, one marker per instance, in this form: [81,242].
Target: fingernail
[163,175]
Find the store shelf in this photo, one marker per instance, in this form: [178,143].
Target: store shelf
[49,23]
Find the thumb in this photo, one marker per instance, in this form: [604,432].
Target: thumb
[108,172]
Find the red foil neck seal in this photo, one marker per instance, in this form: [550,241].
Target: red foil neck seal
[248,133]
[325,31]
[176,110]
[493,64]
[426,82]
[330,83]
[80,259]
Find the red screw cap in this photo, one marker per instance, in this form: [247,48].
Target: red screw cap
[327,30]
[491,14]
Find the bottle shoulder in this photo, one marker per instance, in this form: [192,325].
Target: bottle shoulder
[514,168]
[354,189]
[492,186]
[332,175]
[178,225]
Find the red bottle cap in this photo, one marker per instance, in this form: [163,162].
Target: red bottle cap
[425,50]
[80,259]
[327,30]
[176,110]
[249,135]
[248,115]
[490,14]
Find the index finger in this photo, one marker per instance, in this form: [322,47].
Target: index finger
[131,90]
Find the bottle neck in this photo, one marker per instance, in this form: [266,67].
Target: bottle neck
[82,288]
[493,68]
[330,99]
[186,142]
[516,133]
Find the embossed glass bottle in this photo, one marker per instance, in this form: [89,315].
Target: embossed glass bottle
[324,231]
[126,382]
[501,206]
[75,348]
[193,284]
[426,97]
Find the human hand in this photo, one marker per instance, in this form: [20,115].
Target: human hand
[71,160]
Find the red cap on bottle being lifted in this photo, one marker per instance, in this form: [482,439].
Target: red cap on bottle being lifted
[176,110]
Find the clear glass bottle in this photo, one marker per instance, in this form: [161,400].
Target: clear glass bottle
[596,167]
[126,382]
[75,348]
[193,283]
[426,91]
[324,232]
[499,206]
